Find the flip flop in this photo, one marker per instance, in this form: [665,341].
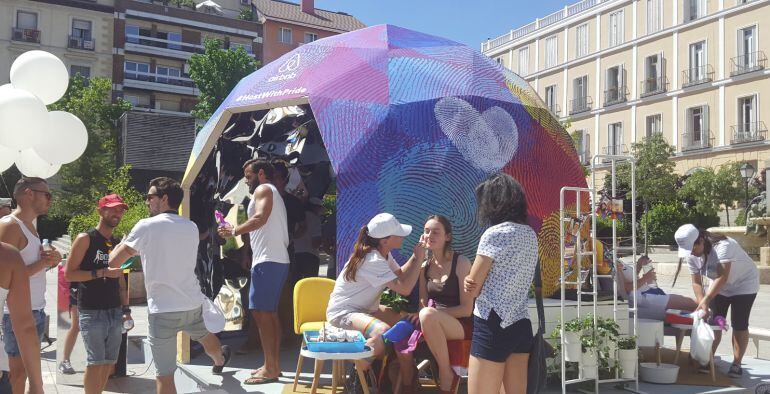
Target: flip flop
[254,380]
[227,353]
[259,370]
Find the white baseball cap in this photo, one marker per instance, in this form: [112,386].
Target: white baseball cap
[384,225]
[685,236]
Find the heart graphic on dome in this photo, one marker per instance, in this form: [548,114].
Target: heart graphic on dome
[487,140]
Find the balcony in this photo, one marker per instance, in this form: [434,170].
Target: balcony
[748,132]
[653,86]
[585,156]
[747,63]
[580,104]
[555,110]
[159,82]
[25,35]
[697,75]
[693,140]
[615,150]
[615,95]
[80,43]
[161,47]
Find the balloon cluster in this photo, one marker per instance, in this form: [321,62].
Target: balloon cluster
[38,141]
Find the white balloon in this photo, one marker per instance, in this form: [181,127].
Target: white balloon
[7,157]
[23,119]
[30,164]
[65,141]
[41,74]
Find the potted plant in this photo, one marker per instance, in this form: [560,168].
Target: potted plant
[572,331]
[608,331]
[628,356]
[589,362]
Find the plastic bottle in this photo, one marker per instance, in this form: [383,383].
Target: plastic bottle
[47,245]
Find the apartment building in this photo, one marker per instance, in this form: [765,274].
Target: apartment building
[80,32]
[620,70]
[288,25]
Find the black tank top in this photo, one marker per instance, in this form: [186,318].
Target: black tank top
[99,293]
[446,294]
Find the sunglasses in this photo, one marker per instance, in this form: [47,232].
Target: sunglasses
[47,195]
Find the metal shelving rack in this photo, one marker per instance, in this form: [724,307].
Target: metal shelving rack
[579,253]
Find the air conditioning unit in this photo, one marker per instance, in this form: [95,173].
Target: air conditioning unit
[74,43]
[88,44]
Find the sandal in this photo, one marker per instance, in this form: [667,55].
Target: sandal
[259,370]
[254,380]
[227,353]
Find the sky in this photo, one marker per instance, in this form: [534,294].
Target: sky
[467,21]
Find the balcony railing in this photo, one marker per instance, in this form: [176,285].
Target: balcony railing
[615,95]
[26,35]
[163,43]
[747,63]
[697,75]
[159,78]
[585,156]
[652,86]
[697,140]
[80,43]
[616,150]
[749,132]
[580,104]
[555,109]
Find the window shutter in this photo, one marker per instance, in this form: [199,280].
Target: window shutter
[705,125]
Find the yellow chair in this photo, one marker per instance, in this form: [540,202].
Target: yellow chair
[311,296]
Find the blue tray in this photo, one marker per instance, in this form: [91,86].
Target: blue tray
[334,347]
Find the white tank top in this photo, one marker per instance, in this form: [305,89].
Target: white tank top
[3,355]
[31,254]
[270,242]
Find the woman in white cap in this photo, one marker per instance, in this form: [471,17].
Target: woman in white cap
[734,283]
[355,301]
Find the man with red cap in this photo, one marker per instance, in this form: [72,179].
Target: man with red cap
[102,298]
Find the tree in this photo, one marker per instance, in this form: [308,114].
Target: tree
[88,176]
[728,186]
[215,73]
[655,177]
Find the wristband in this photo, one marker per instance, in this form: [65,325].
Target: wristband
[126,310]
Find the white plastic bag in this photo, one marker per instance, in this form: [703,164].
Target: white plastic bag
[213,317]
[701,339]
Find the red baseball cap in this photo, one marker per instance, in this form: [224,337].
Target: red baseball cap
[112,200]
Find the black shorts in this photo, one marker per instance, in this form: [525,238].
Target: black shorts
[73,296]
[740,306]
[494,343]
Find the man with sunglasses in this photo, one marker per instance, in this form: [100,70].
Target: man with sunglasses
[33,198]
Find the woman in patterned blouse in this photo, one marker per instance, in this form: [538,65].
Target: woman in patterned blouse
[500,279]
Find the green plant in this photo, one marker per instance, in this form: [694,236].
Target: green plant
[627,343]
[246,14]
[589,341]
[52,226]
[574,325]
[607,329]
[740,220]
[393,300]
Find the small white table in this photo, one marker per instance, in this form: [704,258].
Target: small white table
[338,360]
[683,329]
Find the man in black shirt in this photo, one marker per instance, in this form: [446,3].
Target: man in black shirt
[102,295]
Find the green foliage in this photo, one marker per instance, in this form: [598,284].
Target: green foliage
[52,226]
[663,219]
[393,300]
[604,227]
[655,177]
[710,189]
[81,180]
[627,343]
[183,3]
[215,73]
[119,183]
[740,220]
[246,14]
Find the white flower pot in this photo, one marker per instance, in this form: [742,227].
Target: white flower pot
[628,359]
[613,350]
[572,346]
[588,365]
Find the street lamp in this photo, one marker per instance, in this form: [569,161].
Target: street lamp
[747,172]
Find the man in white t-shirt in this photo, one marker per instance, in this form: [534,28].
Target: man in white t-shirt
[167,245]
[269,238]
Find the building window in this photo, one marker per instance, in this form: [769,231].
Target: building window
[173,40]
[81,29]
[580,100]
[550,99]
[246,47]
[653,125]
[137,70]
[747,118]
[748,58]
[138,101]
[84,71]
[26,20]
[134,32]
[654,75]
[166,72]
[285,35]
[699,71]
[310,37]
[615,139]
[551,51]
[616,85]
[582,40]
[616,28]
[582,146]
[654,16]
[524,61]
[696,135]
[694,9]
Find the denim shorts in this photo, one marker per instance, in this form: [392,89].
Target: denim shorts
[267,280]
[162,336]
[11,347]
[102,333]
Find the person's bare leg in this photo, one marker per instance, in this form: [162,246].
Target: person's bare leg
[107,370]
[406,368]
[267,335]
[717,339]
[484,376]
[437,328]
[18,376]
[740,342]
[92,380]
[515,376]
[165,384]
[72,333]
[213,348]
[277,341]
[676,301]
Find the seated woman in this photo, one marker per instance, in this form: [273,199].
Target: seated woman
[355,301]
[651,304]
[441,282]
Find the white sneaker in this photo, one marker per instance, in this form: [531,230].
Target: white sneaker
[66,368]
